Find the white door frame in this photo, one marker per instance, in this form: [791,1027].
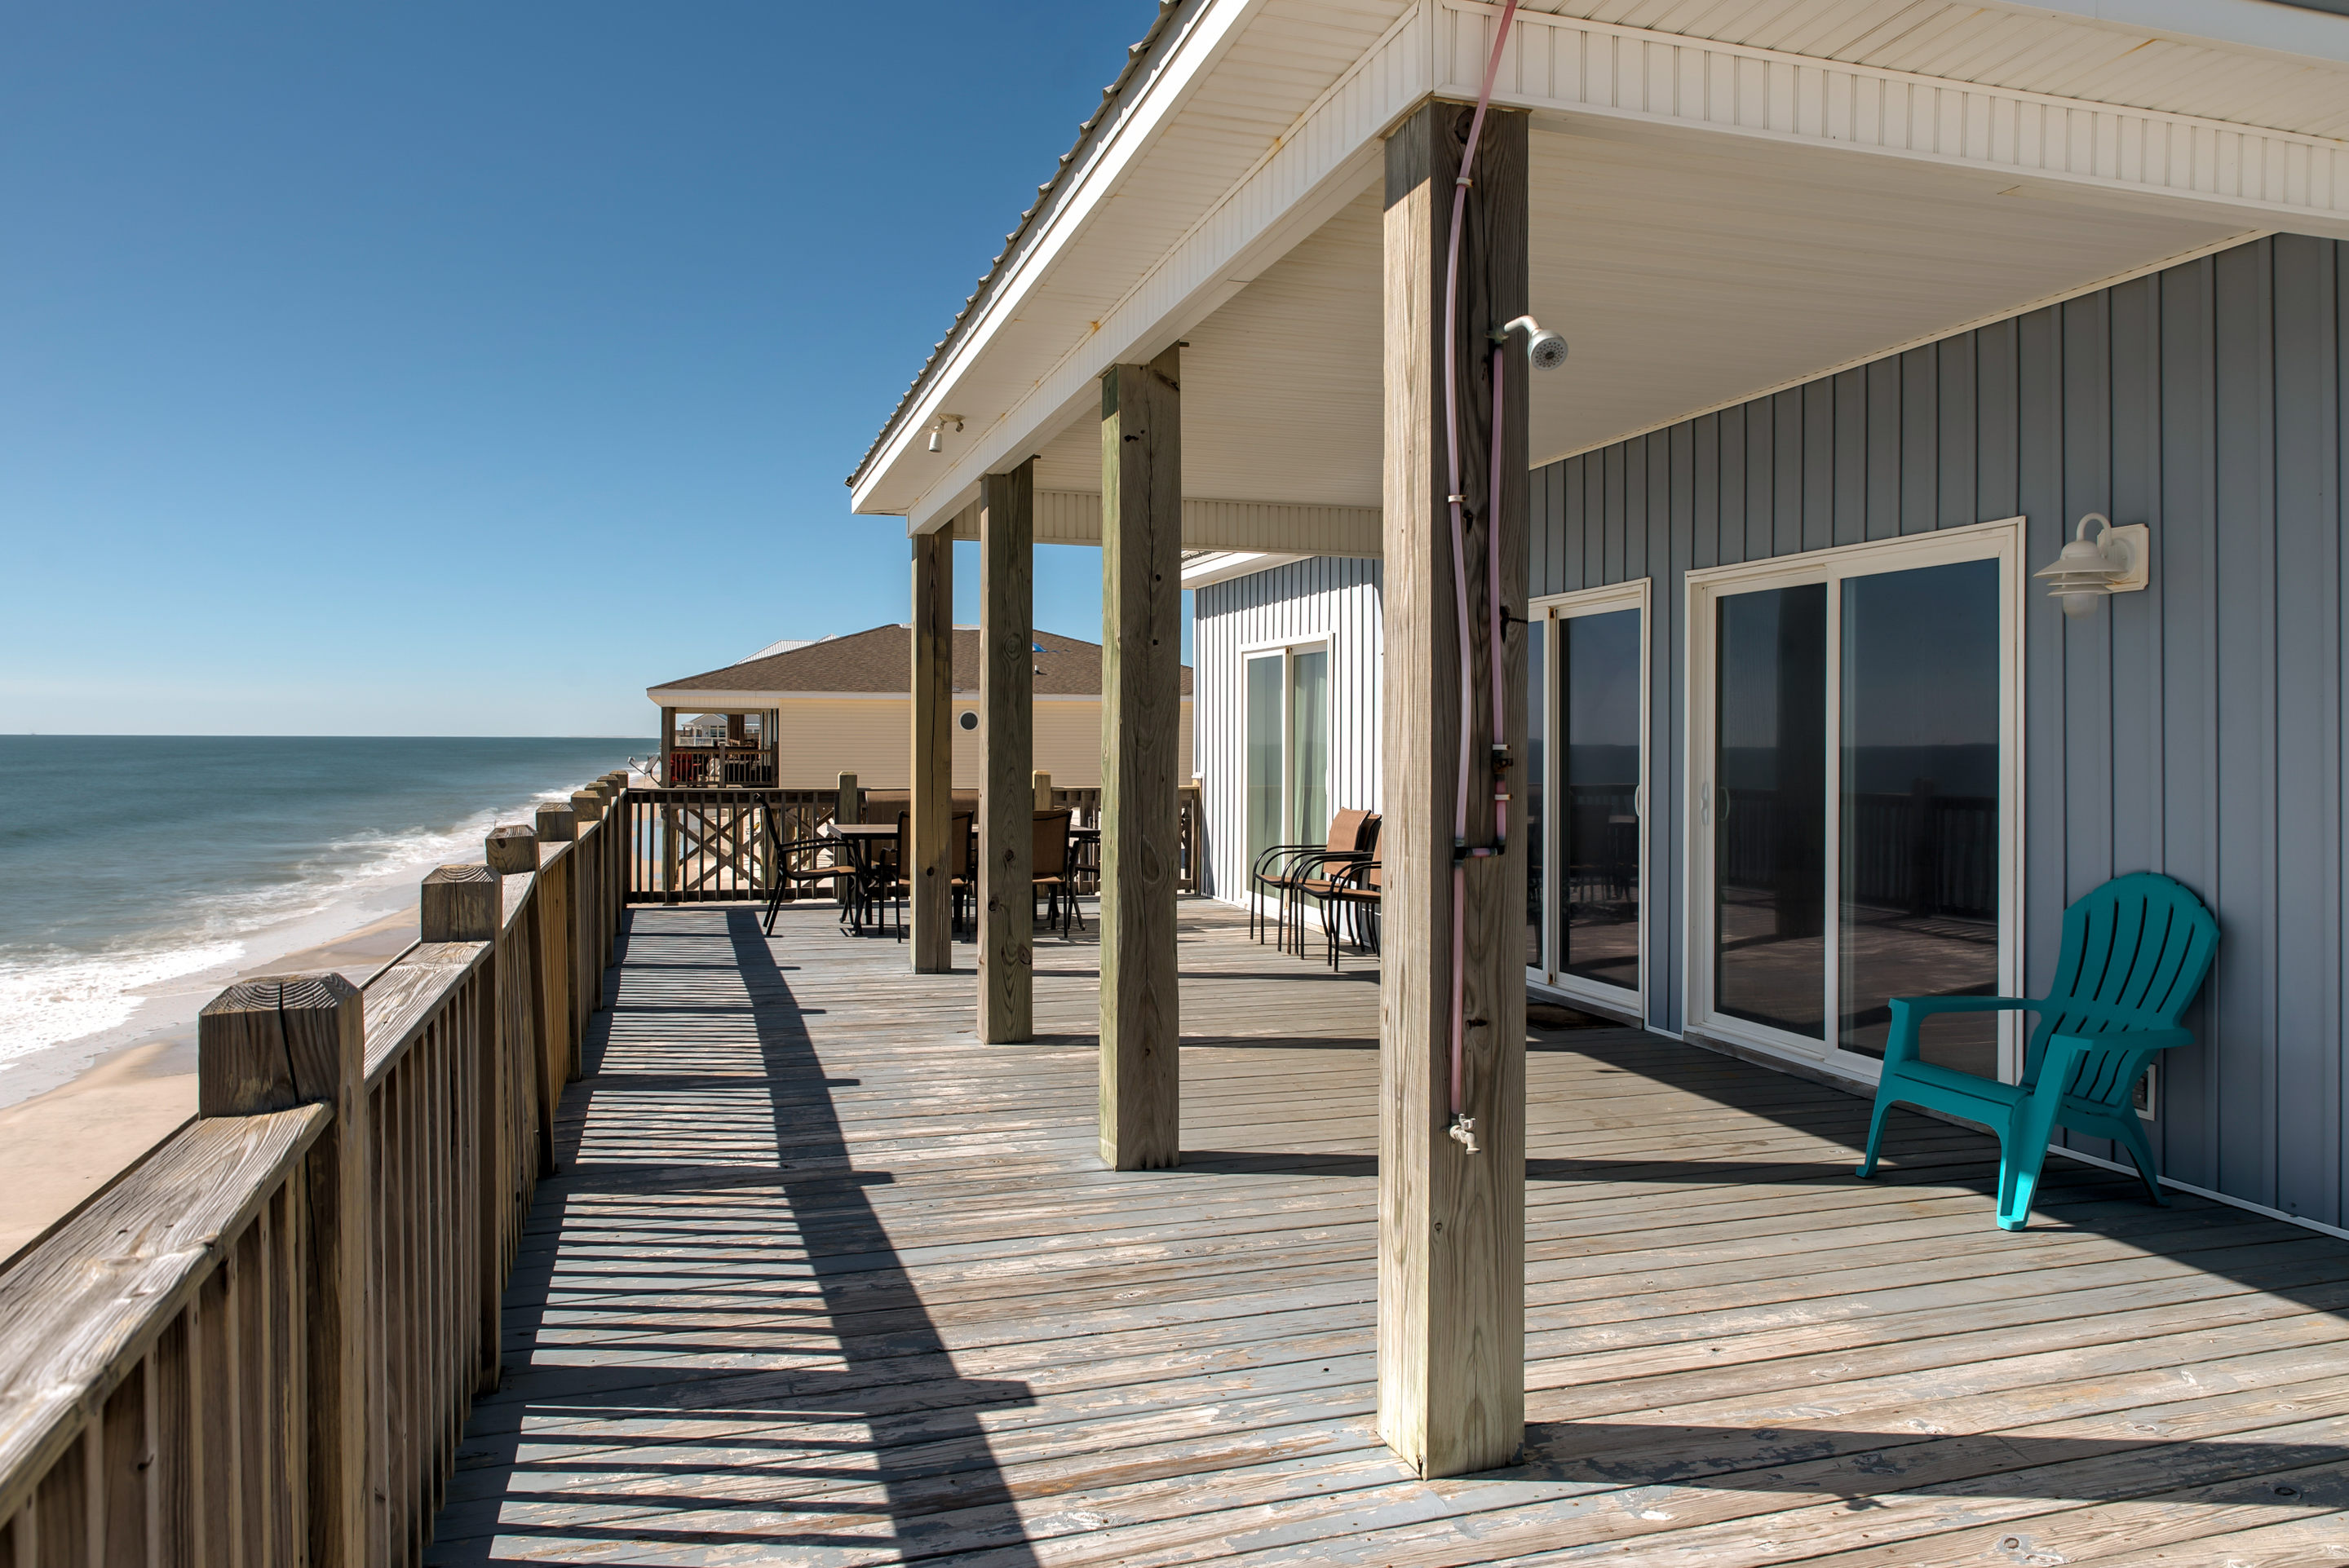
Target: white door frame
[2000,541]
[1552,609]
[1285,649]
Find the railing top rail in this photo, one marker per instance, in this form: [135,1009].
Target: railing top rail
[78,1310]
[404,998]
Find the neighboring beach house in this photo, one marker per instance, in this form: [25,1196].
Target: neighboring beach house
[843,705]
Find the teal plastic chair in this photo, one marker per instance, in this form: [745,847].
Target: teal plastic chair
[2135,953]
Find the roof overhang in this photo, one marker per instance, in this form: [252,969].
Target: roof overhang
[2024,152]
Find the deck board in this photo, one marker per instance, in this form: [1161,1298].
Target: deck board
[825,1281]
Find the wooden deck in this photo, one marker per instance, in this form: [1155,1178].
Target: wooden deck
[828,1283]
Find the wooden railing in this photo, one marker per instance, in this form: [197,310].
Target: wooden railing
[259,1345]
[695,846]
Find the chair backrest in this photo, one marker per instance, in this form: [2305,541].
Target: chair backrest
[2135,953]
[1051,845]
[1346,831]
[1366,842]
[958,837]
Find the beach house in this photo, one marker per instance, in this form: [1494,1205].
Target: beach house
[844,705]
[1701,452]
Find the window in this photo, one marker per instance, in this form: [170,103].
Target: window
[1854,753]
[1287,746]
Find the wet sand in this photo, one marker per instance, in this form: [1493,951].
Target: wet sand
[59,1148]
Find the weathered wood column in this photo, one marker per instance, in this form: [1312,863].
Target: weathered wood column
[1006,687]
[1141,707]
[930,853]
[272,1045]
[1451,1222]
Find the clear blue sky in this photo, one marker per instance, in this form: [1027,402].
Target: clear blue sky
[464,369]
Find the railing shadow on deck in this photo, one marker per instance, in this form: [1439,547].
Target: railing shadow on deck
[919,1422]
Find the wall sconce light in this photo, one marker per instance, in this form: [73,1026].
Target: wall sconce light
[2115,561]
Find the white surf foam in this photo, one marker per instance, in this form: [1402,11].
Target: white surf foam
[48,1004]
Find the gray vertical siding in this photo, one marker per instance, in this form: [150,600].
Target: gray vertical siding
[2195,729]
[1328,595]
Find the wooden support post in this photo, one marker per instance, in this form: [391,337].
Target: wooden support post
[1451,1222]
[1142,661]
[667,744]
[931,854]
[270,1044]
[588,874]
[1006,687]
[848,804]
[466,903]
[514,852]
[558,991]
[512,849]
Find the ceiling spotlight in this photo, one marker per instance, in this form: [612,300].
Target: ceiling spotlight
[1544,348]
[937,428]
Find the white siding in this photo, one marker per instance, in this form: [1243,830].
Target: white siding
[1342,600]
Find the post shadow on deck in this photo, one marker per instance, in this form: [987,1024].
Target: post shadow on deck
[931,1455]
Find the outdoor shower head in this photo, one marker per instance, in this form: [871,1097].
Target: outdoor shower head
[1544,348]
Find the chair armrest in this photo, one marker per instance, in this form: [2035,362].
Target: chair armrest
[1266,855]
[1907,1011]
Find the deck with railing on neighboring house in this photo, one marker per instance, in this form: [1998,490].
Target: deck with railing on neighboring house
[812,1276]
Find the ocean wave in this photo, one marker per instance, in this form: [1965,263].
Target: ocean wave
[52,998]
[49,1003]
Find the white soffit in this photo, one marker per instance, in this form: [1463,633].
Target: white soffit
[2147,54]
[1686,279]
[1684,273]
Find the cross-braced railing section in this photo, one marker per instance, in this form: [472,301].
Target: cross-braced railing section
[259,1345]
[695,846]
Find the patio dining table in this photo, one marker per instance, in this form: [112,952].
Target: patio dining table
[874,872]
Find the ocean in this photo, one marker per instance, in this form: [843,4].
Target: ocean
[132,867]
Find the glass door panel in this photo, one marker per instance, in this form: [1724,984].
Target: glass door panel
[1529,790]
[1264,749]
[1919,840]
[1599,717]
[1769,808]
[1309,757]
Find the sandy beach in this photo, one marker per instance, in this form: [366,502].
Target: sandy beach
[65,1144]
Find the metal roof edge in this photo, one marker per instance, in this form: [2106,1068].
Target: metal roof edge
[1139,58]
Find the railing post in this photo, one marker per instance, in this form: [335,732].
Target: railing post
[848,806]
[514,852]
[558,953]
[1044,789]
[466,903]
[587,811]
[272,1045]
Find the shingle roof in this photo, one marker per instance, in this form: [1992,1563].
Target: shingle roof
[881,660]
[1136,56]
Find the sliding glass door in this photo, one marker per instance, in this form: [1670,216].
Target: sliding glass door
[1586,795]
[1287,750]
[1853,758]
